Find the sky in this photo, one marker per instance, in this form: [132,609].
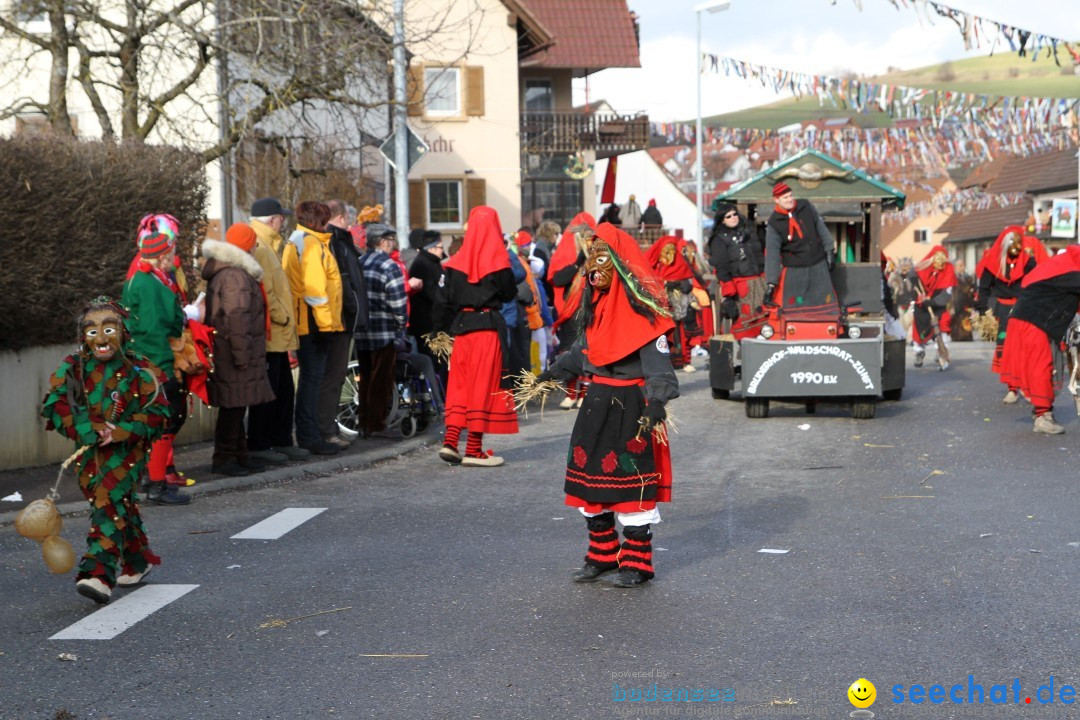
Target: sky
[815,36]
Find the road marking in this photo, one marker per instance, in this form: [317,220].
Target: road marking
[278,524]
[115,618]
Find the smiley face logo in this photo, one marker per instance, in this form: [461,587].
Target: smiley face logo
[862,693]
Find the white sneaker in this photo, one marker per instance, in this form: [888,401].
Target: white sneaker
[1046,424]
[566,403]
[699,352]
[128,579]
[579,402]
[486,461]
[94,589]
[1011,398]
[689,368]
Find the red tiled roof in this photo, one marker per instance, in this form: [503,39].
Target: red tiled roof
[589,35]
[1038,173]
[983,224]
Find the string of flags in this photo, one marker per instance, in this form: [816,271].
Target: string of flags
[956,201]
[978,31]
[897,101]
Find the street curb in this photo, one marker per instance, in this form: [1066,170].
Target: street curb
[296,472]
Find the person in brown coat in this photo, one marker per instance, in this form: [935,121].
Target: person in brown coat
[236,309]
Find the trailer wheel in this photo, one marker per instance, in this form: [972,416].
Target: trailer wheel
[864,409]
[757,408]
[718,394]
[893,394]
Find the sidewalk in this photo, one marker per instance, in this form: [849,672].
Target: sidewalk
[194,461]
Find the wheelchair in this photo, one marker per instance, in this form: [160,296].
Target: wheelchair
[411,410]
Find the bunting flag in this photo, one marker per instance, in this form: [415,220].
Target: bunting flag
[978,31]
[897,101]
[956,201]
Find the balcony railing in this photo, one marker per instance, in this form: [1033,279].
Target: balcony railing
[568,132]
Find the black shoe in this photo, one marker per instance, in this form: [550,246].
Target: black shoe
[231,469]
[172,496]
[154,490]
[630,578]
[251,465]
[591,573]
[322,448]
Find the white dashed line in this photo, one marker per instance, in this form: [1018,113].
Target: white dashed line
[278,524]
[118,616]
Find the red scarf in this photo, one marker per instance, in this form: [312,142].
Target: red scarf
[793,227]
[679,269]
[616,330]
[935,280]
[1030,247]
[483,251]
[568,299]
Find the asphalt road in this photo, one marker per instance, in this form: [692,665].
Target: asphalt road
[451,593]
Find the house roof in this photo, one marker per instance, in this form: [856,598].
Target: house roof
[589,35]
[1037,173]
[983,224]
[855,184]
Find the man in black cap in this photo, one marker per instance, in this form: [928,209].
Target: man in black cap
[799,253]
[428,268]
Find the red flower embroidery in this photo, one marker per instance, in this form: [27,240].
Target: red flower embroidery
[610,462]
[579,456]
[636,445]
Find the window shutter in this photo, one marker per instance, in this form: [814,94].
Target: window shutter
[475,193]
[414,90]
[474,90]
[417,204]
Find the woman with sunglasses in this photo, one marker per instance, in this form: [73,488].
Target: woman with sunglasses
[738,258]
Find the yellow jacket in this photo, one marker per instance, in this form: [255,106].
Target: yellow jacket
[315,281]
[279,301]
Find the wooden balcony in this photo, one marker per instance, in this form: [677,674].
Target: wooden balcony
[568,132]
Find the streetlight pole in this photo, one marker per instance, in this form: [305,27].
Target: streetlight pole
[714,6]
[401,138]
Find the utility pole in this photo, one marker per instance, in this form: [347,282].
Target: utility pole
[401,145]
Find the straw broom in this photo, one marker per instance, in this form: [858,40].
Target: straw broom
[440,343]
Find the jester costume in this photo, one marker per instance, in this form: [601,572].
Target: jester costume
[1032,359]
[617,467]
[110,402]
[1000,272]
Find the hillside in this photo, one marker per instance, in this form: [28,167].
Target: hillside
[1002,74]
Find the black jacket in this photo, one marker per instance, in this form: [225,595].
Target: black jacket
[735,253]
[428,268]
[652,216]
[1050,304]
[354,302]
[462,307]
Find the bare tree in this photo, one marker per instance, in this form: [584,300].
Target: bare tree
[211,73]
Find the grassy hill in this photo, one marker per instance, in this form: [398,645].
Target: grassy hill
[1002,74]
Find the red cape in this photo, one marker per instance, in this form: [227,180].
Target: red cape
[565,254]
[679,269]
[483,251]
[616,330]
[1066,262]
[932,279]
[991,259]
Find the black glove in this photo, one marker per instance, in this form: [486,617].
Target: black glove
[832,263]
[580,258]
[545,376]
[981,305]
[654,414]
[770,291]
[686,286]
[729,308]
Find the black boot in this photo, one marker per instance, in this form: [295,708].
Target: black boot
[635,557]
[154,490]
[171,495]
[603,554]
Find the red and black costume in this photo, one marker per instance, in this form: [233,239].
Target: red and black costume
[476,283]
[739,261]
[1048,301]
[799,254]
[934,284]
[1000,276]
[671,266]
[614,464]
[567,281]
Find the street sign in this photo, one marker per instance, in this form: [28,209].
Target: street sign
[417,148]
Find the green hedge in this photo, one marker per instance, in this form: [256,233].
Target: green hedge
[68,215]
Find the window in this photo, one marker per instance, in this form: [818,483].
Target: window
[561,199]
[444,204]
[443,91]
[539,96]
[922,235]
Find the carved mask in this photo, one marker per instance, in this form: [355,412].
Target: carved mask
[598,266]
[940,260]
[667,254]
[102,333]
[1014,245]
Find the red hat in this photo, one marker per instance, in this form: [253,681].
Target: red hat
[652,203]
[240,235]
[152,246]
[780,188]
